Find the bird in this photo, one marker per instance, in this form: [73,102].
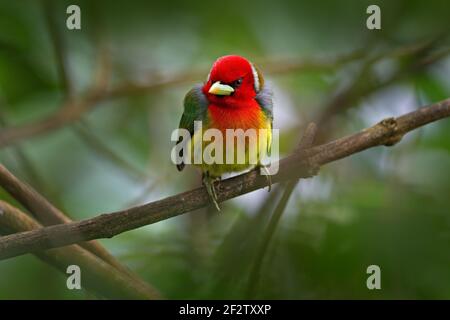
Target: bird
[234,96]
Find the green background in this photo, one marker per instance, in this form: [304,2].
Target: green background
[386,206]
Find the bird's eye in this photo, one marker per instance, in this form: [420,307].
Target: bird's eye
[237,83]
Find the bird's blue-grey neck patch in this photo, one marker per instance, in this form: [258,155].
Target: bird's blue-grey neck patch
[256,81]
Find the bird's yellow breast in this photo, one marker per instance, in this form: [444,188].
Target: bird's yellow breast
[243,146]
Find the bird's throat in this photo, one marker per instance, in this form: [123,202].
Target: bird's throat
[249,116]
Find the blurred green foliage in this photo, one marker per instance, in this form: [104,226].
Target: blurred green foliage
[388,207]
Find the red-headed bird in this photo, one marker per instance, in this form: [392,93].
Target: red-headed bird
[233,97]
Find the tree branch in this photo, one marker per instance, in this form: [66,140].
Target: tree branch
[73,110]
[98,276]
[297,165]
[255,272]
[47,214]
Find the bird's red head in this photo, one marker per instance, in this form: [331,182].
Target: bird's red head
[232,82]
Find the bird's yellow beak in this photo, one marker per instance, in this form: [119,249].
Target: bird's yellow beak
[221,89]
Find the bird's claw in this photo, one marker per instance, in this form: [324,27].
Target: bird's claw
[209,185]
[268,177]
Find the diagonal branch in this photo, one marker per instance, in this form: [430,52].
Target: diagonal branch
[297,165]
[99,276]
[255,272]
[47,214]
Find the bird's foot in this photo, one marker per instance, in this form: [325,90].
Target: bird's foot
[208,181]
[268,176]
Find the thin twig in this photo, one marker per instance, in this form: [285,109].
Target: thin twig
[73,111]
[59,49]
[22,158]
[255,272]
[95,143]
[297,165]
[365,83]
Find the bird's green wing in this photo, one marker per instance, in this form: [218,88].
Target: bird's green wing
[195,108]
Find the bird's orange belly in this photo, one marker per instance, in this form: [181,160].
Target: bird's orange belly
[242,147]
